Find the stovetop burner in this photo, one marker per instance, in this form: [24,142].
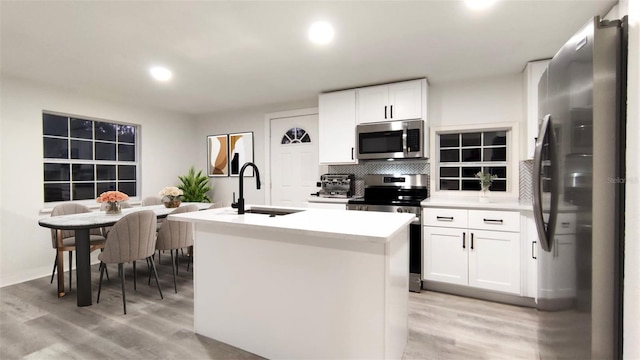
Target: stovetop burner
[396,190]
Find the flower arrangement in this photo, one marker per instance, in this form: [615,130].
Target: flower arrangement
[112,200]
[171,196]
[485,179]
[112,196]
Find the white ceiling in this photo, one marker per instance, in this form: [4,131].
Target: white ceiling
[228,55]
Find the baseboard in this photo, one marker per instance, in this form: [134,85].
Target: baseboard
[482,294]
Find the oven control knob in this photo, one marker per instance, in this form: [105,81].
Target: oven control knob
[400,210]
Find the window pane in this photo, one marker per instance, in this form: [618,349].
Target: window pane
[471,184]
[82,172]
[56,172]
[105,172]
[495,154]
[449,140]
[126,134]
[55,125]
[81,149]
[495,138]
[449,185]
[449,172]
[105,131]
[105,186]
[470,172]
[83,191]
[81,128]
[500,171]
[498,185]
[126,172]
[105,151]
[56,192]
[471,155]
[471,139]
[128,188]
[56,148]
[126,152]
[449,155]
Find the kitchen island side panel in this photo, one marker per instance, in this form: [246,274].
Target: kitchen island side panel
[268,293]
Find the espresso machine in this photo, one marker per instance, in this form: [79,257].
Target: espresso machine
[337,185]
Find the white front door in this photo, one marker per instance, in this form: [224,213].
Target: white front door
[294,159]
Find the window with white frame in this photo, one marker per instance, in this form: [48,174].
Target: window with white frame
[83,158]
[461,155]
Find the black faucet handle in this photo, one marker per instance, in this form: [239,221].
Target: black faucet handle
[234,204]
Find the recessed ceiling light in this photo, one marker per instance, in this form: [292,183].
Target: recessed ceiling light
[321,33]
[479,4]
[160,73]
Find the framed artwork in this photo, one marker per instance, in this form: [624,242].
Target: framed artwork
[240,151]
[217,155]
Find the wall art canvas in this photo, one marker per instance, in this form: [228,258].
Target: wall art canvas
[218,155]
[240,152]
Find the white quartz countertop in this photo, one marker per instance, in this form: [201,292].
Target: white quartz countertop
[474,203]
[353,225]
[328,200]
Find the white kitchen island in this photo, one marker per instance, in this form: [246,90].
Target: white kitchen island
[323,284]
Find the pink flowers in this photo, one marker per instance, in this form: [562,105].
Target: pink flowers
[112,196]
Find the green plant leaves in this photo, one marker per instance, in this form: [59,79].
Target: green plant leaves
[194,186]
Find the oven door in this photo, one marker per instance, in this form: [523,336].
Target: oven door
[390,140]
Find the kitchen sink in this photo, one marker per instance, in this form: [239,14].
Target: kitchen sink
[271,212]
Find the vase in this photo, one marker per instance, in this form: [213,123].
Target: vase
[171,203]
[484,194]
[113,208]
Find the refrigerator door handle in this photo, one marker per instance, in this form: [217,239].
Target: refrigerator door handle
[537,190]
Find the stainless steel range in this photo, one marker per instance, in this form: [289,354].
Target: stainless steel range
[403,194]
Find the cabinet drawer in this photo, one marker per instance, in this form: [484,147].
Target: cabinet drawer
[566,223]
[444,217]
[494,220]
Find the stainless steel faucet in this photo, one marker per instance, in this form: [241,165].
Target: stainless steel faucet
[240,204]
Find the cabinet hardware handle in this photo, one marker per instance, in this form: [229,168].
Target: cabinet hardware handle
[533,249]
[385,111]
[471,241]
[352,158]
[444,218]
[493,221]
[464,240]
[391,107]
[565,224]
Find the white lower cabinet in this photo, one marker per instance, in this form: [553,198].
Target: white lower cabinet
[476,248]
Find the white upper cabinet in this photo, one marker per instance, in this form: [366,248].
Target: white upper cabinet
[397,101]
[531,77]
[337,127]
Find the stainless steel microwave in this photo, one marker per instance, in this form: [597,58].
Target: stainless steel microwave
[390,140]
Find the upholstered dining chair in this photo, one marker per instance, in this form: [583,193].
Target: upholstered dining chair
[65,240]
[174,235]
[131,238]
[151,200]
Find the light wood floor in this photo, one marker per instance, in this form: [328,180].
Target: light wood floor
[35,324]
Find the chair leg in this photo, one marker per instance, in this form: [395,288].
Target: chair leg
[149,271]
[70,266]
[103,266]
[134,276]
[177,261]
[55,265]
[155,274]
[106,270]
[124,300]
[173,271]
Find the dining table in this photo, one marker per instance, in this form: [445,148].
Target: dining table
[82,224]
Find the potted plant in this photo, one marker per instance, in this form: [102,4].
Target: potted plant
[194,186]
[485,183]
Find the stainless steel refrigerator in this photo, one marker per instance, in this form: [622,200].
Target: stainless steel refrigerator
[578,184]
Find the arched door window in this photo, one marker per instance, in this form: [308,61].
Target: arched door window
[295,136]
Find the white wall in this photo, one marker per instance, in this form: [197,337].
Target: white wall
[251,119]
[167,150]
[632,211]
